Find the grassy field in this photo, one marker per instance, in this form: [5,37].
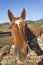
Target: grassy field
[39,23]
[5,40]
[4,26]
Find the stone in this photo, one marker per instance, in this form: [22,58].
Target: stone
[40,42]
[8,60]
[14,51]
[4,50]
[32,53]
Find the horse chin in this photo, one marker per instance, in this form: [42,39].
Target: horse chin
[22,56]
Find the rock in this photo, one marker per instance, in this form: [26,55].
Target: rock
[14,51]
[40,41]
[4,50]
[42,37]
[33,58]
[32,53]
[8,60]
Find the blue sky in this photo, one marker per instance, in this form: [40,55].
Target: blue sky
[34,9]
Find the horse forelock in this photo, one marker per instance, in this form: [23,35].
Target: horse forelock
[18,22]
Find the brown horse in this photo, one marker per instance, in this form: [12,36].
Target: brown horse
[17,25]
[21,33]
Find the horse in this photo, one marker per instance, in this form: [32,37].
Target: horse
[17,24]
[21,34]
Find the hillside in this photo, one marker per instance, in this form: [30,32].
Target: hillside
[4,26]
[39,23]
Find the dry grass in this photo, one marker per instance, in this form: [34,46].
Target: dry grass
[5,39]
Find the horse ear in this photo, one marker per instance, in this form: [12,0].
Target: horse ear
[23,14]
[10,15]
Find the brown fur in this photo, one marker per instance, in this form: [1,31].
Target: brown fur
[35,30]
